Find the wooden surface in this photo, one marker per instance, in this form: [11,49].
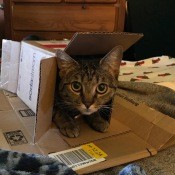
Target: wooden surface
[63,18]
[91,1]
[18,35]
[56,19]
[72,1]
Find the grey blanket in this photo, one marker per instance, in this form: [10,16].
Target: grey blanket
[158,97]
[16,163]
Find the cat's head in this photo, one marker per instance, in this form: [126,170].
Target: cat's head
[88,87]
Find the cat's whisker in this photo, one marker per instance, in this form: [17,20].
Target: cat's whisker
[105,107]
[109,107]
[65,106]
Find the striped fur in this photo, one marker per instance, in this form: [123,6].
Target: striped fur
[92,75]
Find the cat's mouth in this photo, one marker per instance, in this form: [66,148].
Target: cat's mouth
[87,111]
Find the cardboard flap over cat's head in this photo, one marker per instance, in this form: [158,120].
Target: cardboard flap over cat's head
[110,62]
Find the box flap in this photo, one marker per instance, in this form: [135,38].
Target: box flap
[4,103]
[48,72]
[149,124]
[93,43]
[88,134]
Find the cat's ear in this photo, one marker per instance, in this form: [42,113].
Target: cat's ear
[111,62]
[65,63]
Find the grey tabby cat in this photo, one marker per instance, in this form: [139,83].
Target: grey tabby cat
[86,88]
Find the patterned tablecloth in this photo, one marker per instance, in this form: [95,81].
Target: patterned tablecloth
[160,70]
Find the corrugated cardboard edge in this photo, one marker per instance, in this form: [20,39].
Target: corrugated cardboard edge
[46,96]
[90,40]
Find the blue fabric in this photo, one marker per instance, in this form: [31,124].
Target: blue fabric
[16,163]
[132,169]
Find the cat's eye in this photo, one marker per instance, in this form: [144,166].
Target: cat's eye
[76,86]
[102,88]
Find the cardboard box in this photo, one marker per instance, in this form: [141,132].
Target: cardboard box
[10,61]
[132,134]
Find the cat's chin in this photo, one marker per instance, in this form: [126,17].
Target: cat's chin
[87,112]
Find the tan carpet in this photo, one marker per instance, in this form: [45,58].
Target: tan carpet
[161,164]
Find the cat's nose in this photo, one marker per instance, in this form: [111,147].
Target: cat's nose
[88,104]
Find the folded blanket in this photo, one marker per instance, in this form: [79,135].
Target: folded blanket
[156,96]
[16,163]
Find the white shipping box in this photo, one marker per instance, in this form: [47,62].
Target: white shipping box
[29,71]
[10,65]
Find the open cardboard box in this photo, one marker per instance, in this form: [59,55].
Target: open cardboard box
[136,131]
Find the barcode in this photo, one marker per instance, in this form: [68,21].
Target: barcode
[75,158]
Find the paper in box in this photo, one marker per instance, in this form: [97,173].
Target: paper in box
[126,140]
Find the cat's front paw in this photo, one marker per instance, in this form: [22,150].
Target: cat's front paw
[101,126]
[70,129]
[98,123]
